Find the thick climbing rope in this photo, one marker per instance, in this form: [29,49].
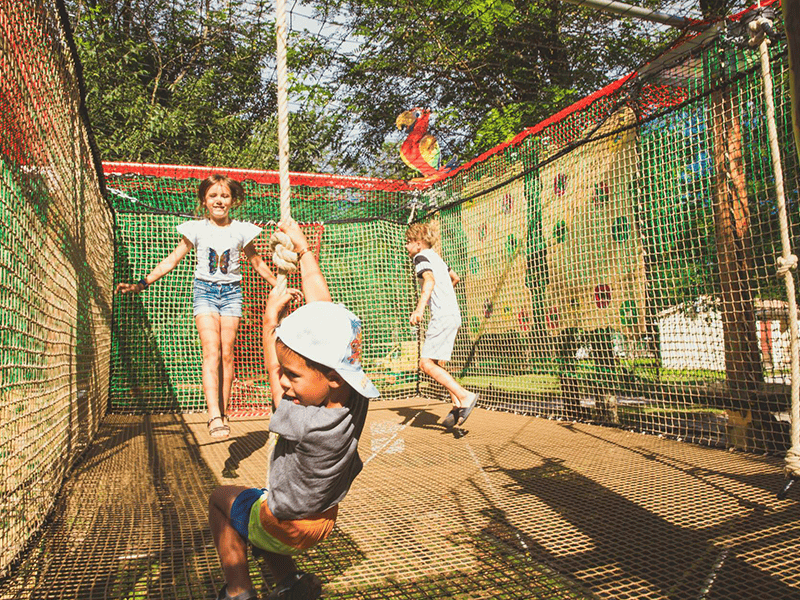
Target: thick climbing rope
[283,126]
[787,262]
[282,249]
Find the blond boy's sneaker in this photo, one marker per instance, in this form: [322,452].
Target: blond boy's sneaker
[467,408]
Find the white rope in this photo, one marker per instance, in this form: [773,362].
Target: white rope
[283,108]
[283,247]
[788,261]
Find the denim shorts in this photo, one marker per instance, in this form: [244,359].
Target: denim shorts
[223,299]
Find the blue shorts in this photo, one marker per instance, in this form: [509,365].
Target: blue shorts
[223,299]
[254,522]
[240,510]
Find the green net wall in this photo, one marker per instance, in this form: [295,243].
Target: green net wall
[619,259]
[56,249]
[354,227]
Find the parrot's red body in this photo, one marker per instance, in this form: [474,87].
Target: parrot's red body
[420,150]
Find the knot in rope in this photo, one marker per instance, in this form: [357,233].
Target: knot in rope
[283,254]
[792,467]
[786,264]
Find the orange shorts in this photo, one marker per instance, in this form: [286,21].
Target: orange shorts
[291,536]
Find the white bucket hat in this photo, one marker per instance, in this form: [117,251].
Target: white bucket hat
[330,335]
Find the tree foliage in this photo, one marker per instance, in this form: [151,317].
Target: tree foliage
[192,81]
[487,68]
[183,81]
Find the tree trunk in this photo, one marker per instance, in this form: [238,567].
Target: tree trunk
[735,255]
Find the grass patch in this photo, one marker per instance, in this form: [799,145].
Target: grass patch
[540,384]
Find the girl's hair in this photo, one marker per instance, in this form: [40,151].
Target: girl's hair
[420,232]
[235,188]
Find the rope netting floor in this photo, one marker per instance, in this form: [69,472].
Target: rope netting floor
[519,507]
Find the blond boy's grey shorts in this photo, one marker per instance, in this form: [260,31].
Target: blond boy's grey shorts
[440,338]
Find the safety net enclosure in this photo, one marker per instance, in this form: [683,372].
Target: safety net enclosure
[620,257]
[620,267]
[354,226]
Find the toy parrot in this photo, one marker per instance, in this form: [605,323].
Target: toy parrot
[420,150]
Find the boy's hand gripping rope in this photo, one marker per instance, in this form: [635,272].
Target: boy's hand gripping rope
[283,255]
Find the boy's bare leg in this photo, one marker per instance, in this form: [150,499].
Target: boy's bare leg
[435,371]
[231,548]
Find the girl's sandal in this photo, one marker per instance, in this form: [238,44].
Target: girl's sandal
[219,431]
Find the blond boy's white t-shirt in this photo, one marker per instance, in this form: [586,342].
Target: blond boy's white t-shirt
[443,301]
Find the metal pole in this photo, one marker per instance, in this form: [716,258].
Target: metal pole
[628,10]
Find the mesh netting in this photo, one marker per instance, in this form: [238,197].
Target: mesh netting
[157,355]
[619,259]
[618,266]
[520,508]
[56,249]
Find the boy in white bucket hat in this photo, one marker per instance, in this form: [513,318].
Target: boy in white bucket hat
[320,399]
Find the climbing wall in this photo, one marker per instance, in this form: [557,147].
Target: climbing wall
[494,280]
[595,258]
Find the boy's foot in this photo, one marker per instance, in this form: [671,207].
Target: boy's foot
[467,408]
[245,595]
[297,586]
[219,430]
[450,420]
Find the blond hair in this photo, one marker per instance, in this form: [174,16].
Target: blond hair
[421,232]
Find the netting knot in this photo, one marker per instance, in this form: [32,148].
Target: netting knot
[786,264]
[283,255]
[792,467]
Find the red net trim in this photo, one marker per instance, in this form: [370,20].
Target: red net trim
[263,177]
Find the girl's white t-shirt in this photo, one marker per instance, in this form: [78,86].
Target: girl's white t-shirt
[218,249]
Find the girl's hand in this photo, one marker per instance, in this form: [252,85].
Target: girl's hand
[126,288]
[290,227]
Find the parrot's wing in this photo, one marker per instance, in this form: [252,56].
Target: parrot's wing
[430,151]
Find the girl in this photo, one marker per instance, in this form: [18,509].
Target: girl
[219,242]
